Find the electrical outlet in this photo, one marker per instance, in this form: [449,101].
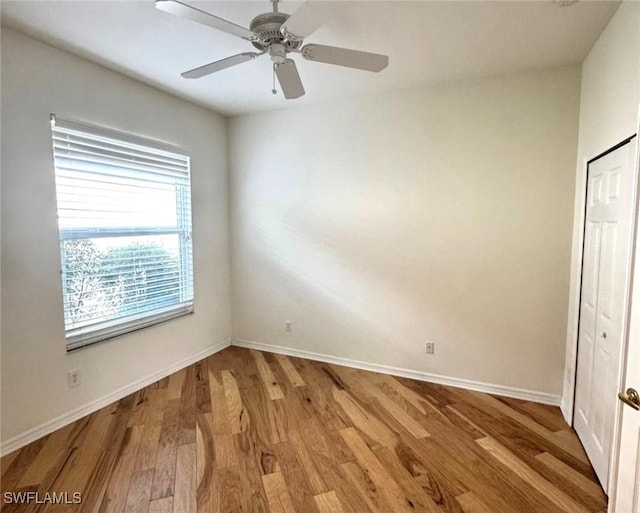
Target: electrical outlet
[73,378]
[429,347]
[287,325]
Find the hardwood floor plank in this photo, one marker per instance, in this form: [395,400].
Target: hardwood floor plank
[117,490]
[320,404]
[464,422]
[164,505]
[414,495]
[525,421]
[377,473]
[521,440]
[203,394]
[294,376]
[438,493]
[567,438]
[219,410]
[298,484]
[436,396]
[187,416]
[325,451]
[238,417]
[583,489]
[329,503]
[429,458]
[316,480]
[184,497]
[519,468]
[206,465]
[547,416]
[46,457]
[148,450]
[459,442]
[269,427]
[514,495]
[176,384]
[165,469]
[256,442]
[230,490]
[140,407]
[254,462]
[244,431]
[416,400]
[139,492]
[444,475]
[471,504]
[277,493]
[225,452]
[268,379]
[20,464]
[7,460]
[82,460]
[116,445]
[332,374]
[359,480]
[364,420]
[400,415]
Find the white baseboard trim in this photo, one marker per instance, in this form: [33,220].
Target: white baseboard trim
[50,426]
[478,386]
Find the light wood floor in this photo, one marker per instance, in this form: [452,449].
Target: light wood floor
[245,431]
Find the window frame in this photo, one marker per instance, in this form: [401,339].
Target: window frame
[81,336]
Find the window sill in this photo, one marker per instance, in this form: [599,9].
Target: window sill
[79,338]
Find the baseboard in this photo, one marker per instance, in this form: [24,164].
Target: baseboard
[50,426]
[478,386]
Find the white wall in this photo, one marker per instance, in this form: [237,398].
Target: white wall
[610,98]
[442,213]
[38,80]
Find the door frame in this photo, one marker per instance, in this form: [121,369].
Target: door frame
[617,433]
[633,139]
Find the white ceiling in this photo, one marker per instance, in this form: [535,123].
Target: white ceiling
[427,42]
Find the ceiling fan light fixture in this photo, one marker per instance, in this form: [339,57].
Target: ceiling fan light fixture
[278,53]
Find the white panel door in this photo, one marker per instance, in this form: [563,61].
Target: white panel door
[627,496]
[603,302]
[627,493]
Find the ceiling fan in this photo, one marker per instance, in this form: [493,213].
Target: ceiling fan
[278,34]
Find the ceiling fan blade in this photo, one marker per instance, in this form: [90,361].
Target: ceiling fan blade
[308,18]
[344,57]
[207,69]
[192,13]
[289,79]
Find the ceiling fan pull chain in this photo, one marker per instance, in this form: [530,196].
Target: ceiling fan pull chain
[274,90]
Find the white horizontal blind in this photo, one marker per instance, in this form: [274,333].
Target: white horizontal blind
[124,214]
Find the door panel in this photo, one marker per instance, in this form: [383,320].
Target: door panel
[592,263]
[606,286]
[603,302]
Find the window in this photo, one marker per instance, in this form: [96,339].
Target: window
[124,215]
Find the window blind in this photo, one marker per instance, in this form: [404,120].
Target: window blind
[124,217]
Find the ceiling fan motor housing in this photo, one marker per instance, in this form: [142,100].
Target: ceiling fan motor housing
[267,27]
